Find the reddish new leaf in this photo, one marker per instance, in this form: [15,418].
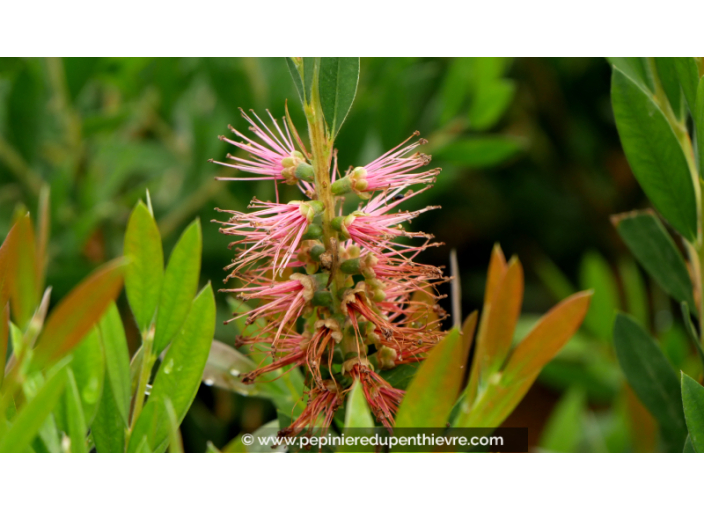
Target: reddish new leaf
[78,312]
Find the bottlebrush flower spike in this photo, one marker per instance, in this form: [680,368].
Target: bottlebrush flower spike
[340,297]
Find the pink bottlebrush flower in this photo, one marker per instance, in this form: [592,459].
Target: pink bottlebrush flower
[273,231]
[391,170]
[285,301]
[374,228]
[275,158]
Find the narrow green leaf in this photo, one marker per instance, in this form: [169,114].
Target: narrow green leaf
[357,416]
[179,285]
[698,116]
[88,372]
[667,72]
[109,427]
[482,151]
[654,154]
[688,446]
[489,104]
[117,359]
[635,290]
[653,247]
[179,374]
[78,312]
[309,64]
[75,420]
[563,430]
[357,413]
[596,274]
[636,69]
[688,75]
[144,275]
[47,439]
[434,390]
[31,417]
[401,376]
[691,332]
[693,402]
[296,77]
[338,85]
[650,375]
[175,441]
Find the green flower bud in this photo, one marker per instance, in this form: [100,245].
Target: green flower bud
[322,298]
[312,232]
[304,172]
[341,186]
[316,251]
[350,266]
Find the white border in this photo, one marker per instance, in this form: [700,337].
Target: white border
[497,481]
[363,27]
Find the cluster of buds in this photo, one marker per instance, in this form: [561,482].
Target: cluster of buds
[339,294]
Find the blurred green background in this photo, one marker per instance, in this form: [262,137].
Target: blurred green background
[530,156]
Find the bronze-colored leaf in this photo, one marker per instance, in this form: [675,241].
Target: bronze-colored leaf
[78,312]
[546,339]
[497,269]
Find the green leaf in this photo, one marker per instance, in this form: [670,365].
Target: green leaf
[636,69]
[651,376]
[481,151]
[698,116]
[596,274]
[224,369]
[357,416]
[77,313]
[31,417]
[88,372]
[357,413]
[434,390]
[563,430]
[653,247]
[688,446]
[296,76]
[179,285]
[654,154]
[635,290]
[175,441]
[309,64]
[76,423]
[489,104]
[691,332]
[109,426]
[179,374]
[337,84]
[144,275]
[688,75]
[693,402]
[4,337]
[401,376]
[117,359]
[670,83]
